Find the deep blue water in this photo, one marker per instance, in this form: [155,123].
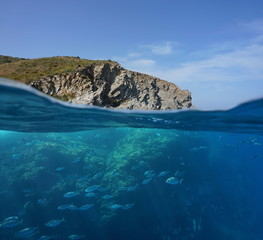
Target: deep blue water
[107,174]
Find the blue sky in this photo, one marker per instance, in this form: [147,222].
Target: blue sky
[212,48]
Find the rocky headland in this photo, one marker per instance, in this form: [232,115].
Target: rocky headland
[99,83]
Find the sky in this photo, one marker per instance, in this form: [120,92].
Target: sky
[212,48]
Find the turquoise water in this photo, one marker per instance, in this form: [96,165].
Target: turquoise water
[76,172]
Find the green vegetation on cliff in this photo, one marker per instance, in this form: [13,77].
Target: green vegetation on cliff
[27,70]
[7,59]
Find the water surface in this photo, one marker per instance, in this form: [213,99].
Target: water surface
[107,174]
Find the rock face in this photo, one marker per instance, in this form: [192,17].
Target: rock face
[110,85]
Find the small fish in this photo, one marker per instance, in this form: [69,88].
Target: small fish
[132,188]
[173,181]
[10,223]
[194,225]
[27,232]
[42,201]
[195,149]
[59,169]
[92,188]
[128,206]
[114,172]
[71,194]
[161,174]
[74,237]
[102,189]
[27,190]
[203,147]
[116,206]
[146,181]
[150,175]
[123,189]
[178,174]
[85,207]
[84,178]
[76,160]
[148,172]
[135,167]
[72,207]
[90,194]
[106,197]
[98,175]
[16,156]
[63,207]
[12,218]
[141,163]
[55,222]
[44,237]
[67,206]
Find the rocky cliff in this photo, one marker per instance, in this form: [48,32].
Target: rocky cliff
[110,85]
[100,83]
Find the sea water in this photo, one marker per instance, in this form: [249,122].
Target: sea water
[78,172]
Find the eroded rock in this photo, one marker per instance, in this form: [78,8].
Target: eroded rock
[109,85]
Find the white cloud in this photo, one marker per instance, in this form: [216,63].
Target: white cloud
[161,49]
[255,26]
[141,64]
[133,55]
[133,61]
[234,65]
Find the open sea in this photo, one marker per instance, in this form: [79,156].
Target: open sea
[82,172]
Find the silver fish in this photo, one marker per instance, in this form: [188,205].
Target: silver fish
[59,169]
[132,188]
[128,206]
[161,174]
[10,223]
[174,181]
[67,206]
[146,181]
[27,232]
[85,207]
[44,237]
[12,218]
[98,175]
[71,194]
[116,206]
[106,197]
[74,236]
[148,172]
[90,194]
[92,188]
[55,222]
[42,201]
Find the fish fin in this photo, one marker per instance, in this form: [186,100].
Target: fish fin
[181,181]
